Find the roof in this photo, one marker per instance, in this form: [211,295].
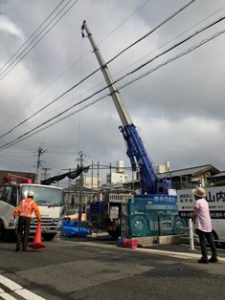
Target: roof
[193,171]
[221,174]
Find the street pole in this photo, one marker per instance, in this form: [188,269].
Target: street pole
[81,159]
[45,172]
[40,152]
[191,236]
[110,174]
[98,181]
[92,179]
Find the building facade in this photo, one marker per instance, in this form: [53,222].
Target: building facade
[190,177]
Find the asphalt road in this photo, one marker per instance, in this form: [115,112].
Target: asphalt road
[80,269]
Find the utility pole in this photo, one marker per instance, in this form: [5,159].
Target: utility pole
[92,179]
[45,172]
[110,174]
[81,164]
[98,180]
[40,152]
[68,189]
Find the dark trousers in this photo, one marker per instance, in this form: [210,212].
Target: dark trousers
[23,230]
[205,237]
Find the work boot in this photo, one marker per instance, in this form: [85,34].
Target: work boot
[17,248]
[203,260]
[213,260]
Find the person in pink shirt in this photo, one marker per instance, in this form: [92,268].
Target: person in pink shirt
[203,226]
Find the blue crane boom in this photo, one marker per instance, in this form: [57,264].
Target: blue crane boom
[136,152]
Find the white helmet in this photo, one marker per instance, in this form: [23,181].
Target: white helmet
[30,194]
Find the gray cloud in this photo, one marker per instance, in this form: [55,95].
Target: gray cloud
[178,110]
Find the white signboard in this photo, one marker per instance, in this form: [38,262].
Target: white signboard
[215,197]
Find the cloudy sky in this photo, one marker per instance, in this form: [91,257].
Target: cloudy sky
[178,109]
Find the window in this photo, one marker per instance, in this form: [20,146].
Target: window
[9,195]
[43,195]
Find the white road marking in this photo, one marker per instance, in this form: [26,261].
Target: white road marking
[26,294]
[184,255]
[7,296]
[9,283]
[18,289]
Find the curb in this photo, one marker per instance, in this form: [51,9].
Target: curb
[174,254]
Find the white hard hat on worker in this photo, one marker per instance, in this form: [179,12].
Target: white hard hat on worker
[30,194]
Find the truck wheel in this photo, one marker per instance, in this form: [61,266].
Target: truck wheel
[10,235]
[114,231]
[139,226]
[48,236]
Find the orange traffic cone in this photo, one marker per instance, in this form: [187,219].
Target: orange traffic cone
[37,243]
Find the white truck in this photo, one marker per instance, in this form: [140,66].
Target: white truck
[216,199]
[49,200]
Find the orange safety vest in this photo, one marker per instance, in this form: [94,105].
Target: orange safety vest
[26,208]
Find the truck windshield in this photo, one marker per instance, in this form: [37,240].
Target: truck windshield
[44,196]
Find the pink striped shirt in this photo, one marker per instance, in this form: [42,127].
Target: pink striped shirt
[203,220]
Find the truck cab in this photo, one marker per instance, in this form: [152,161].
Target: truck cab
[49,200]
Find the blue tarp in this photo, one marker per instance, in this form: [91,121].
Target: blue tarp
[74,228]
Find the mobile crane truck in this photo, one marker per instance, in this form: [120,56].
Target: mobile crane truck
[154,211]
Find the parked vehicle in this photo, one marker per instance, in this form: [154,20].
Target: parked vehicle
[48,198]
[106,214]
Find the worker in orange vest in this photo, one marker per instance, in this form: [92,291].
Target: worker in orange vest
[25,209]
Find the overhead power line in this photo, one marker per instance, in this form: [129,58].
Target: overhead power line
[192,48]
[119,79]
[29,44]
[29,38]
[87,98]
[32,131]
[98,69]
[82,57]
[38,128]
[130,16]
[151,31]
[174,38]
[220,19]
